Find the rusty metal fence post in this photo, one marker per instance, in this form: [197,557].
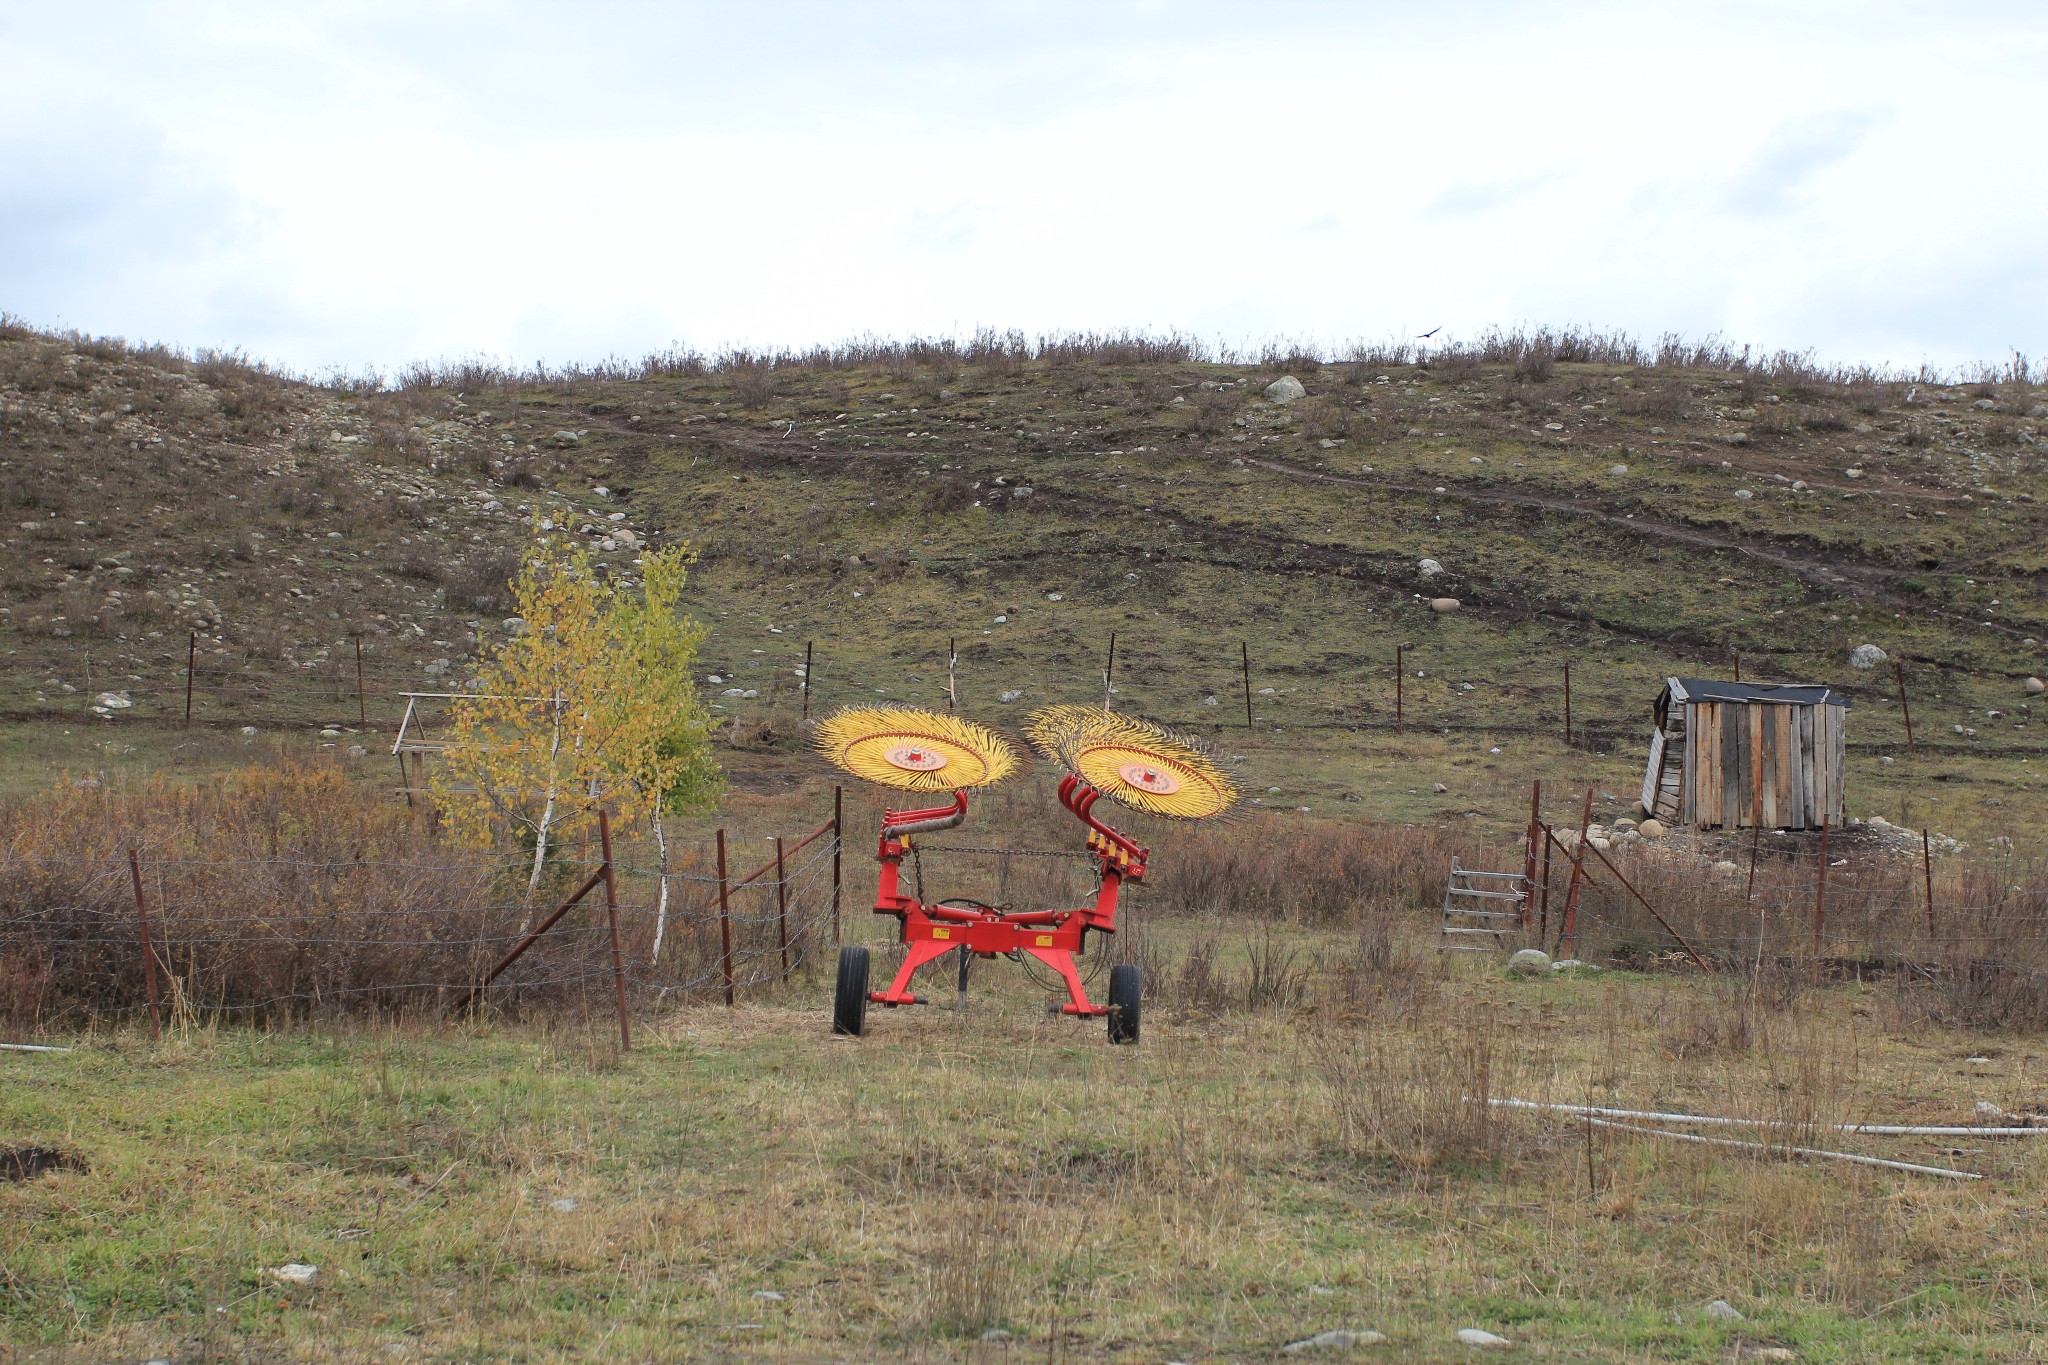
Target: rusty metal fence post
[1820,890]
[1899,674]
[1927,871]
[362,703]
[1400,672]
[781,907]
[1567,706]
[611,914]
[1567,932]
[838,848]
[156,1023]
[191,663]
[724,924]
[1244,659]
[807,679]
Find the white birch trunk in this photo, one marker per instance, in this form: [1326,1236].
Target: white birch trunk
[661,871]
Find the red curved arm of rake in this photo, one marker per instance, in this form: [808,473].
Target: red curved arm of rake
[1078,796]
[896,823]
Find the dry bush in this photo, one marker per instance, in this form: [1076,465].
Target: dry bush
[1417,1097]
[1261,867]
[1215,410]
[285,890]
[753,384]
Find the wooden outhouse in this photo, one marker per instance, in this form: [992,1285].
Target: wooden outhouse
[1731,755]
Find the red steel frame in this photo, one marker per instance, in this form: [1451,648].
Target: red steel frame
[1051,936]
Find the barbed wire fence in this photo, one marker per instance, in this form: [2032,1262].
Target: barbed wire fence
[85,936]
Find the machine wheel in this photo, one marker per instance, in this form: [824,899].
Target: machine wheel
[850,996]
[1125,992]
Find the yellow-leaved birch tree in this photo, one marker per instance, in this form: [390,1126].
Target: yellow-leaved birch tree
[591,706]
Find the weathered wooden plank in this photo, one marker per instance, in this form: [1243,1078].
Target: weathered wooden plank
[1706,751]
[1735,760]
[1775,795]
[1688,771]
[1653,777]
[1822,784]
[1808,776]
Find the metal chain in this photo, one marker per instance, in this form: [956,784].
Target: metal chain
[1011,852]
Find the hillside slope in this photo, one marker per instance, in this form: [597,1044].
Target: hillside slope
[1630,519]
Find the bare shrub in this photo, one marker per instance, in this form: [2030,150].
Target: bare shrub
[1418,1100]
[754,384]
[1264,868]
[1215,410]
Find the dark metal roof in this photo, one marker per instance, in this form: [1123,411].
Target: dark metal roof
[1789,694]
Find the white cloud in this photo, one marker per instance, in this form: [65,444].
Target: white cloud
[357,186]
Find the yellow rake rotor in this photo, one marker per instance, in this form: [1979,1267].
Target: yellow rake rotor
[1134,762]
[917,750]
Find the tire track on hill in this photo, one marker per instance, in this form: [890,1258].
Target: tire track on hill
[1834,577]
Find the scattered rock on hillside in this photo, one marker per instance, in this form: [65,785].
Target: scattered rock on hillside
[1474,1336]
[1617,469]
[1720,1310]
[1528,961]
[1866,657]
[1428,568]
[295,1272]
[1338,1340]
[1010,696]
[1285,389]
[1651,829]
[568,438]
[2035,686]
[1444,604]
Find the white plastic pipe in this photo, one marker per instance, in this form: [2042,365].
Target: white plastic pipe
[1914,1167]
[1709,1120]
[30,1047]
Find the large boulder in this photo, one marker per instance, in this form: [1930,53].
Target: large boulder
[1528,961]
[1285,389]
[1651,829]
[1444,605]
[2035,686]
[1866,657]
[1428,568]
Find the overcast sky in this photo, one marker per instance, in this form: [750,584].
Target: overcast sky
[353,185]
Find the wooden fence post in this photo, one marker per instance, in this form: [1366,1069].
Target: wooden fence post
[1109,675]
[807,679]
[952,664]
[156,1023]
[362,705]
[191,662]
[611,914]
[724,925]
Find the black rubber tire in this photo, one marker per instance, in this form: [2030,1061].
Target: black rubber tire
[850,995]
[1126,991]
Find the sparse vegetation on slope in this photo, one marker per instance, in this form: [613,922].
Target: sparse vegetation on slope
[1640,511]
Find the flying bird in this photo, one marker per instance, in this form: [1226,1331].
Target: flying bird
[1430,333]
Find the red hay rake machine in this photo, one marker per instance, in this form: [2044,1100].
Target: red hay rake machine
[1133,762]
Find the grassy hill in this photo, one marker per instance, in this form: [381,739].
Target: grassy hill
[1630,512]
